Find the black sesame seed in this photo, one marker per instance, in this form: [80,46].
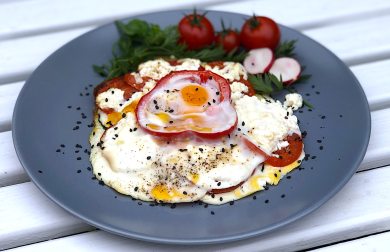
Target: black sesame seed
[58,150]
[223,149]
[254,197]
[289,152]
[212,213]
[106,99]
[219,183]
[283,196]
[196,89]
[89,168]
[173,205]
[131,130]
[213,100]
[123,115]
[78,171]
[323,117]
[317,92]
[276,175]
[319,141]
[209,103]
[157,107]
[280,157]
[155,102]
[321,147]
[93,178]
[288,177]
[135,129]
[40,171]
[238,129]
[217,93]
[78,108]
[101,183]
[77,151]
[76,128]
[139,203]
[136,188]
[151,204]
[171,111]
[149,157]
[307,94]
[201,149]
[313,157]
[78,122]
[231,203]
[79,158]
[170,122]
[206,205]
[229,135]
[243,123]
[212,196]
[62,145]
[266,201]
[210,77]
[185,193]
[266,188]
[81,94]
[116,135]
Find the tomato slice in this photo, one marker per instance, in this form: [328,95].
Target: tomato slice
[217,120]
[232,188]
[132,81]
[254,148]
[289,154]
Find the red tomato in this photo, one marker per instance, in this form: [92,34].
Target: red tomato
[289,154]
[196,31]
[229,40]
[258,32]
[232,188]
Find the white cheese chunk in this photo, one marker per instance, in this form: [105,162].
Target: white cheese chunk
[294,101]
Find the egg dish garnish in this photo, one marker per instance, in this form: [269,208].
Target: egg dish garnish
[183,131]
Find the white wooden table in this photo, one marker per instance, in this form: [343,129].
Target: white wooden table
[357,31]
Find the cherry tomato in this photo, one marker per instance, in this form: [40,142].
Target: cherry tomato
[228,38]
[196,31]
[258,32]
[288,154]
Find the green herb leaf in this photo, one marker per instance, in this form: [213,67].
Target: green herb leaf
[285,49]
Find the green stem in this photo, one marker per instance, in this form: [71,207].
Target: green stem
[291,91]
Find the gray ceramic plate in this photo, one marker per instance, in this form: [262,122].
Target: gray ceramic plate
[42,122]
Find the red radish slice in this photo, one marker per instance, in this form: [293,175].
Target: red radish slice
[289,68]
[259,60]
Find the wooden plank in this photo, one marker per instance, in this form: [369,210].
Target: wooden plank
[375,243]
[360,208]
[11,171]
[375,81]
[19,57]
[27,216]
[8,95]
[18,20]
[307,14]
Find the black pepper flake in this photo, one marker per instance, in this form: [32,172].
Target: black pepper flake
[78,171]
[321,147]
[300,111]
[123,115]
[254,197]
[58,150]
[212,213]
[276,175]
[288,177]
[40,171]
[103,148]
[173,205]
[149,157]
[219,183]
[223,149]
[185,193]
[206,205]
[266,201]
[283,196]
[79,158]
[170,122]
[139,203]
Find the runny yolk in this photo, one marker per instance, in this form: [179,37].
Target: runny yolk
[116,116]
[194,95]
[161,192]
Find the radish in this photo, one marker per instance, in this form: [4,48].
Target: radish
[289,68]
[259,60]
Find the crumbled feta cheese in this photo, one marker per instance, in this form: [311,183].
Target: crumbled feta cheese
[149,85]
[268,123]
[231,71]
[236,90]
[111,99]
[294,101]
[155,69]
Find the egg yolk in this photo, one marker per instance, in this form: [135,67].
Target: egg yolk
[194,95]
[117,116]
[161,192]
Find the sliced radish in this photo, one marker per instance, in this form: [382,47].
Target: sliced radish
[259,60]
[289,68]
